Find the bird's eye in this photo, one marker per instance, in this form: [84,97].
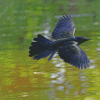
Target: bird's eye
[84,38]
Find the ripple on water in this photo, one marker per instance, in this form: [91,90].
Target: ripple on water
[70,86]
[54,75]
[62,70]
[92,61]
[60,88]
[57,65]
[67,93]
[76,93]
[54,81]
[6,35]
[96,23]
[60,81]
[98,49]
[92,66]
[55,55]
[83,90]
[55,59]
[98,44]
[82,78]
[25,94]
[54,62]
[84,85]
[60,64]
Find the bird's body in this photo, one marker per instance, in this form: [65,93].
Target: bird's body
[66,44]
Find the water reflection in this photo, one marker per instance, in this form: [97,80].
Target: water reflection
[98,49]
[25,94]
[59,81]
[27,77]
[92,66]
[65,80]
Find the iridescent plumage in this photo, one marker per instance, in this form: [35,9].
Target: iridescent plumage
[65,44]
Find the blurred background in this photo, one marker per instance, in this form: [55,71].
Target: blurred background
[21,77]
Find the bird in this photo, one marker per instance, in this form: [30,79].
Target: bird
[65,44]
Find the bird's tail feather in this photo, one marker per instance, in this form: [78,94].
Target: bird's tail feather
[53,52]
[40,48]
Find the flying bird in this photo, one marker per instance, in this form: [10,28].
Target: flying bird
[66,44]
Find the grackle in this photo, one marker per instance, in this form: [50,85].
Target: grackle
[65,44]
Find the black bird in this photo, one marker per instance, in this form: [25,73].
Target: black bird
[65,44]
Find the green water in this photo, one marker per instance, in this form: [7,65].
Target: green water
[21,77]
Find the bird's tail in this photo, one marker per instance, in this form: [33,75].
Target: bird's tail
[40,48]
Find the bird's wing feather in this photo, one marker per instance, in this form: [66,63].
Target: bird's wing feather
[65,28]
[73,54]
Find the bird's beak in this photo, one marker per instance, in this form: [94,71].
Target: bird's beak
[87,39]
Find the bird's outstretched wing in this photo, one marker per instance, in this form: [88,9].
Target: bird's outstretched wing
[73,54]
[65,28]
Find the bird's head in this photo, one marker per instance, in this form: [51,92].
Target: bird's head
[81,39]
